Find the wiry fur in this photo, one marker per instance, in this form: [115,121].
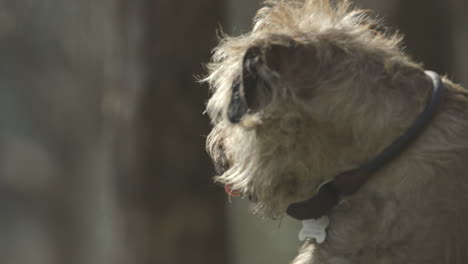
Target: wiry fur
[339,90]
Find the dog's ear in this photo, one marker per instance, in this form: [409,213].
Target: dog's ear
[297,65]
[300,66]
[279,56]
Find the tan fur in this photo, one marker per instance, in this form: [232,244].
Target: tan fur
[340,93]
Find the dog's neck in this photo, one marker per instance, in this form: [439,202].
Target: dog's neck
[405,210]
[350,182]
[413,210]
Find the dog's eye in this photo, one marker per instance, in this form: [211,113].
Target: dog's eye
[237,107]
[250,80]
[249,91]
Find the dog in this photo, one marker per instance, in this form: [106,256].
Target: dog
[319,114]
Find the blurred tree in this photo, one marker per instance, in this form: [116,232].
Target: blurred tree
[97,91]
[60,76]
[177,213]
[428,28]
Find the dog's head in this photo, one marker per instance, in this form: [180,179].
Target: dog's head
[310,92]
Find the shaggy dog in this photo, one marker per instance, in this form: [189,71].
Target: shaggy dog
[318,89]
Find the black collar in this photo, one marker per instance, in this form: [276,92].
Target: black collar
[347,183]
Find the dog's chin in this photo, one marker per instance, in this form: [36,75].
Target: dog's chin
[271,202]
[269,190]
[270,208]
[268,211]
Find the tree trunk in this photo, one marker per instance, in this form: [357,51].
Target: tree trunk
[176,212]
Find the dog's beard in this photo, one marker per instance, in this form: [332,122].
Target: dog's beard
[269,187]
[263,171]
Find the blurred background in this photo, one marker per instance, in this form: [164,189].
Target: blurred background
[102,135]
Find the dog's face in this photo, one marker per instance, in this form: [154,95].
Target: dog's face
[292,100]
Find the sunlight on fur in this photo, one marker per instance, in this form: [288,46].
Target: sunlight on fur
[323,88]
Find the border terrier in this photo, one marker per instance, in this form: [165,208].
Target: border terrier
[318,113]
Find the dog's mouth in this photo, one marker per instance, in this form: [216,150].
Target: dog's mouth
[230,191]
[237,193]
[222,166]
